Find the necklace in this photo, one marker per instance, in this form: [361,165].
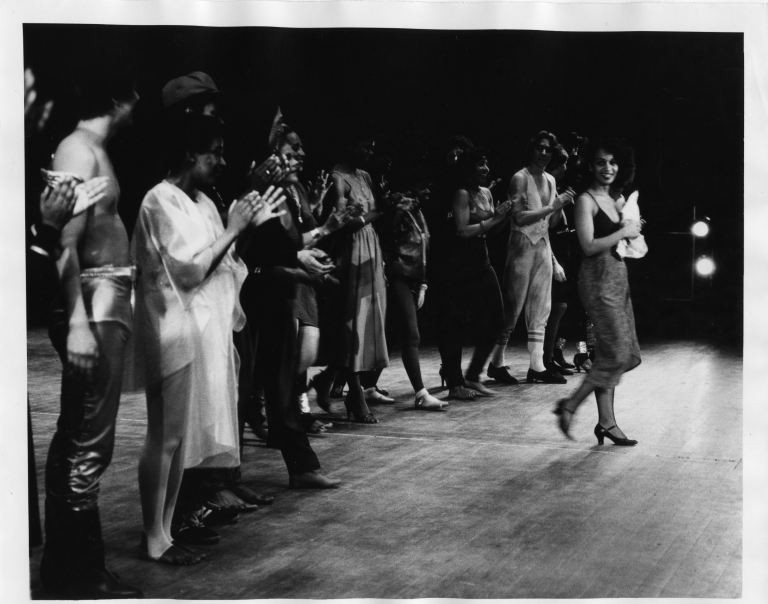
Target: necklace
[363,189]
[295,194]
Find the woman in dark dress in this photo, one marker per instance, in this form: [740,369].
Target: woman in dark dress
[472,284]
[603,286]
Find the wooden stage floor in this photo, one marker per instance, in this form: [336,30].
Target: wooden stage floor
[488,500]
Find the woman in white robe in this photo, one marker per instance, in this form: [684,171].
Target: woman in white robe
[186,309]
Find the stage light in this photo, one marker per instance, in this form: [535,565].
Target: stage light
[700,229]
[704,266]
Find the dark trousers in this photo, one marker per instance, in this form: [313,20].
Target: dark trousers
[275,370]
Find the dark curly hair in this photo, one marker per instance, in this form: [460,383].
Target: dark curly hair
[622,153]
[467,162]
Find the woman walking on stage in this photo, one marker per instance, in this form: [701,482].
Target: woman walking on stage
[472,281]
[603,285]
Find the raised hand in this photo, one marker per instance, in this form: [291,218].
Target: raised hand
[564,199]
[242,212]
[503,208]
[318,189]
[270,206]
[57,203]
[270,171]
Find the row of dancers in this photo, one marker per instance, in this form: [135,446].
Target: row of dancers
[234,303]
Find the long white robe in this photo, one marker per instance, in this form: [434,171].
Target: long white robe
[184,320]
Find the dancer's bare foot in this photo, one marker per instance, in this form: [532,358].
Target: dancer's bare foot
[227,500]
[480,388]
[312,480]
[426,402]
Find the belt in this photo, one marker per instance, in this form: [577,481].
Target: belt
[109,271]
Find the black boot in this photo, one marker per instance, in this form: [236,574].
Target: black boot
[73,567]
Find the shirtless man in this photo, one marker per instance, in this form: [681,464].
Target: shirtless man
[89,332]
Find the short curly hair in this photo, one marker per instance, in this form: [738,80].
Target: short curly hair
[622,153]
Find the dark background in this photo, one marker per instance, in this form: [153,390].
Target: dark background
[677,98]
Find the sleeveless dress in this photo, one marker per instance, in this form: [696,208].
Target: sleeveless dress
[604,291]
[361,344]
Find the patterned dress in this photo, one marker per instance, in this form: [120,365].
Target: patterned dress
[604,291]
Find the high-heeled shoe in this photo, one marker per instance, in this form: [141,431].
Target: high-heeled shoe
[557,357]
[322,384]
[357,411]
[582,361]
[501,374]
[564,417]
[546,376]
[601,433]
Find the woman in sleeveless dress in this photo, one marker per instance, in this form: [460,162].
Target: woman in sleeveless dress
[359,344]
[536,207]
[603,286]
[472,284]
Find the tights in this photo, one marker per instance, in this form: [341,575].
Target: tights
[402,297]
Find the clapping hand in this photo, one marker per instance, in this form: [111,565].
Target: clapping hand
[337,219]
[270,171]
[564,199]
[503,208]
[318,189]
[268,207]
[315,261]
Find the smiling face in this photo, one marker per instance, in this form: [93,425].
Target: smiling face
[208,166]
[481,172]
[604,168]
[542,153]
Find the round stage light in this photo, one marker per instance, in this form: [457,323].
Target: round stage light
[700,229]
[705,267]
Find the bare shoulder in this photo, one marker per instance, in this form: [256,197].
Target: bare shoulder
[586,202]
[77,155]
[518,182]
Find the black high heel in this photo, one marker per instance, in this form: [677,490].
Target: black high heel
[563,421]
[582,361]
[442,377]
[601,433]
[557,357]
[546,376]
[357,415]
